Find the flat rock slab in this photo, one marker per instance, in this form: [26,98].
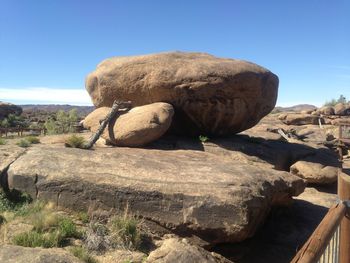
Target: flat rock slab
[185,191]
[17,254]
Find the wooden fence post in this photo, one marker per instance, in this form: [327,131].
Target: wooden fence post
[344,194]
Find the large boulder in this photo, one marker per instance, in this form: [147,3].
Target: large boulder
[342,109]
[185,191]
[8,108]
[326,110]
[139,126]
[210,95]
[300,119]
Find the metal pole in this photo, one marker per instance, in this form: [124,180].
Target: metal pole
[344,195]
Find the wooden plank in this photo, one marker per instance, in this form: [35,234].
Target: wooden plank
[317,243]
[344,194]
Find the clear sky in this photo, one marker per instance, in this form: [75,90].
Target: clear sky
[51,45]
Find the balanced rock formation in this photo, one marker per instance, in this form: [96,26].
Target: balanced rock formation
[8,108]
[210,95]
[188,192]
[140,126]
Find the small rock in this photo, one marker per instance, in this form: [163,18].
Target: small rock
[181,251]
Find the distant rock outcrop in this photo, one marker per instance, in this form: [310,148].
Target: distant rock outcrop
[296,108]
[210,95]
[9,108]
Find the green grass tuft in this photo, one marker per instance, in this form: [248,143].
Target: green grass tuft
[82,254]
[125,232]
[33,139]
[2,141]
[203,138]
[68,229]
[75,141]
[36,239]
[23,143]
[83,217]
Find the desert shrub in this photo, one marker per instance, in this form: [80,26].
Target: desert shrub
[13,120]
[333,102]
[2,141]
[30,208]
[203,138]
[125,232]
[23,143]
[37,239]
[96,237]
[75,141]
[63,122]
[82,254]
[13,201]
[32,139]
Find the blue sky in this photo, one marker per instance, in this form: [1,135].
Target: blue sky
[47,46]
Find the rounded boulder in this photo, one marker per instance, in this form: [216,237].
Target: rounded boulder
[139,126]
[210,95]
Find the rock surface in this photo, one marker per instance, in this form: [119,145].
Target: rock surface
[16,254]
[342,109]
[320,168]
[210,95]
[181,251]
[188,192]
[8,108]
[140,126]
[299,119]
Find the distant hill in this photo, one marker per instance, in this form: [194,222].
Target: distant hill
[51,108]
[296,108]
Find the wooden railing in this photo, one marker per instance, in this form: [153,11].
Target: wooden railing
[20,131]
[330,242]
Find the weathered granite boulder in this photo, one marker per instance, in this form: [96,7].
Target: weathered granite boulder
[210,95]
[181,251]
[299,119]
[17,254]
[326,110]
[319,168]
[342,109]
[185,191]
[8,108]
[140,126]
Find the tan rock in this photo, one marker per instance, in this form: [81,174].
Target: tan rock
[140,126]
[300,119]
[342,109]
[187,191]
[210,95]
[326,110]
[17,254]
[181,251]
[320,168]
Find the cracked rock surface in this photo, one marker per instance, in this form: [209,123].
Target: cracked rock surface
[185,191]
